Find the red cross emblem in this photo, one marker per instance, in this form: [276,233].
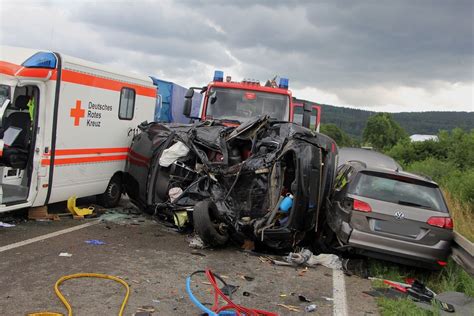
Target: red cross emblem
[77,113]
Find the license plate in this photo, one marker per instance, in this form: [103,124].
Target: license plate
[397,228]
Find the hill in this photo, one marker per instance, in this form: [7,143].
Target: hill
[352,121]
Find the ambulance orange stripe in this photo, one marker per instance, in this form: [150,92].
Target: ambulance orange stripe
[77,78]
[8,68]
[67,161]
[89,80]
[36,72]
[89,151]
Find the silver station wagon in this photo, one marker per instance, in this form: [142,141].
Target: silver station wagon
[378,210]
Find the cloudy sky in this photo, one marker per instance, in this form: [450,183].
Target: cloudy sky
[377,55]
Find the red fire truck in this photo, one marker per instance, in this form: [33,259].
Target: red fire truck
[235,102]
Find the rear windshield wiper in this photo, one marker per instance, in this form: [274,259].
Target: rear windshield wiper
[412,204]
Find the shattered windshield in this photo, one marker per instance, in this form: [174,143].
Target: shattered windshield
[242,105]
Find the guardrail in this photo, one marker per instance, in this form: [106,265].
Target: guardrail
[463,253]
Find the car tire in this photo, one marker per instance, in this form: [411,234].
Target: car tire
[205,224]
[113,193]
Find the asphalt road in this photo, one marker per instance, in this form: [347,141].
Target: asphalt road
[155,261]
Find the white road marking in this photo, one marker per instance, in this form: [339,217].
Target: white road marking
[43,237]
[339,293]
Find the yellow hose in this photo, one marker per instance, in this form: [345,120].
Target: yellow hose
[85,275]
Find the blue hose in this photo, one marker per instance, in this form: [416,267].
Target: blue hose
[202,307]
[195,300]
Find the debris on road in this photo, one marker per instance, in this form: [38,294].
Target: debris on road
[305,257]
[357,267]
[303,298]
[41,213]
[248,278]
[6,225]
[149,309]
[65,254]
[95,242]
[290,307]
[196,243]
[310,308]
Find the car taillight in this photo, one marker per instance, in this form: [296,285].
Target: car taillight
[443,222]
[361,206]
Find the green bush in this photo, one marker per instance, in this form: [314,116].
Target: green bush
[434,168]
[461,185]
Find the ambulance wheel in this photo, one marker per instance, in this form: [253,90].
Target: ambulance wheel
[207,226]
[113,193]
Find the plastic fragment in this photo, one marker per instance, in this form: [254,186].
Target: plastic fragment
[310,308]
[95,242]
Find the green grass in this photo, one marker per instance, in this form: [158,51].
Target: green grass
[463,216]
[404,307]
[451,278]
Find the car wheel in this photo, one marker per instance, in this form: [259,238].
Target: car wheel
[206,225]
[112,194]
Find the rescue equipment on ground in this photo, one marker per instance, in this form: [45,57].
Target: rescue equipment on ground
[84,275]
[71,206]
[230,308]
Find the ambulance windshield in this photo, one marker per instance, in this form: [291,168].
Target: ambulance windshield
[242,105]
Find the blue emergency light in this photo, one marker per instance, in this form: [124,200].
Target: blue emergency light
[218,75]
[283,83]
[41,60]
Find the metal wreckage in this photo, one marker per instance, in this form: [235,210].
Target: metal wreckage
[264,180]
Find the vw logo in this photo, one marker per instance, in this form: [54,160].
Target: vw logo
[399,215]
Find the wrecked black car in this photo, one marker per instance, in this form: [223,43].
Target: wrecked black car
[264,180]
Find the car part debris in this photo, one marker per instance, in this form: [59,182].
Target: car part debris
[216,309]
[310,308]
[196,243]
[303,298]
[306,257]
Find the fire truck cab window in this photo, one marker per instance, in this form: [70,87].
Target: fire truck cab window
[242,105]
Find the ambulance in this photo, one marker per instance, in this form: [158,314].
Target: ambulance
[66,127]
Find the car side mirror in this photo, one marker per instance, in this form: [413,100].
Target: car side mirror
[307,109]
[188,102]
